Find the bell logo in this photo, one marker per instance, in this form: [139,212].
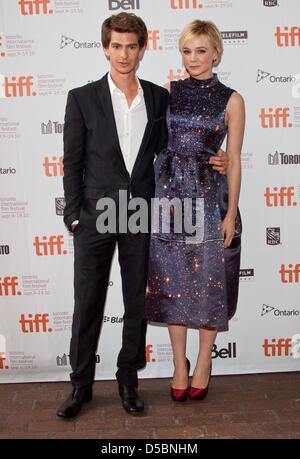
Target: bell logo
[153,41]
[287,37]
[124,4]
[35,7]
[149,351]
[180,74]
[8,286]
[277,348]
[185,4]
[49,246]
[18,87]
[278,119]
[53,168]
[34,324]
[280,198]
[291,274]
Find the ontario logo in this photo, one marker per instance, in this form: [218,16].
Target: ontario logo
[263,75]
[266,309]
[67,41]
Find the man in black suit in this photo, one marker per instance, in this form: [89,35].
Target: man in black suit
[113,129]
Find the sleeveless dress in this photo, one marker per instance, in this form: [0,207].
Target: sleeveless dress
[193,280]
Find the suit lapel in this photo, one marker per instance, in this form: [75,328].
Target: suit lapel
[104,96]
[149,102]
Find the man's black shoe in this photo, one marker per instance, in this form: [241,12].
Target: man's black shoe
[131,400]
[74,402]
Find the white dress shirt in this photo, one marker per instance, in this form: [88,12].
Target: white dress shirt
[130,121]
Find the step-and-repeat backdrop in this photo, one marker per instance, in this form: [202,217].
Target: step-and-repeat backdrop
[50,46]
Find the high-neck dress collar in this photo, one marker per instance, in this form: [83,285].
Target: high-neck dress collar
[207,83]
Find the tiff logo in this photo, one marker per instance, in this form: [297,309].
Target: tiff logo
[38,324]
[3,353]
[49,246]
[35,7]
[287,37]
[2,53]
[153,41]
[8,286]
[275,120]
[291,274]
[185,4]
[149,351]
[280,198]
[180,74]
[2,362]
[277,348]
[53,168]
[52,127]
[18,87]
[123,4]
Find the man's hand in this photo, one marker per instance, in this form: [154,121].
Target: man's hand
[220,162]
[73,227]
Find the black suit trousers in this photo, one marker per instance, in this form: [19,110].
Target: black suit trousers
[93,254]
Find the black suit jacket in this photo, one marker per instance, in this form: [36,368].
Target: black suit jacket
[93,162]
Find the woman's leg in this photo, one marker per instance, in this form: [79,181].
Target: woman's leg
[202,369]
[178,340]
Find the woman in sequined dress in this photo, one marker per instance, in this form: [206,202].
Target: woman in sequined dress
[195,282]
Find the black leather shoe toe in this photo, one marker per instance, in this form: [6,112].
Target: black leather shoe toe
[71,407]
[131,400]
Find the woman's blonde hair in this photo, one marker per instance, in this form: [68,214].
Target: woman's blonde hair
[208,28]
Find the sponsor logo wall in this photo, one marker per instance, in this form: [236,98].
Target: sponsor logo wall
[48,47]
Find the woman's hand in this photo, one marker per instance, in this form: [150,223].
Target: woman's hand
[228,230]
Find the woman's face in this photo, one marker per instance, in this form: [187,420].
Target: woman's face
[198,55]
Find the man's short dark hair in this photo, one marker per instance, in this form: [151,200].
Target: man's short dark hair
[124,22]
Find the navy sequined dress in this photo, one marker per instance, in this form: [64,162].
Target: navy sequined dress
[193,281]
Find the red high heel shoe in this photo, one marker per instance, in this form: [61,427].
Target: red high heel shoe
[181,395]
[199,394]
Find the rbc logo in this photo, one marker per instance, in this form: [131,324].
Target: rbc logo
[34,7]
